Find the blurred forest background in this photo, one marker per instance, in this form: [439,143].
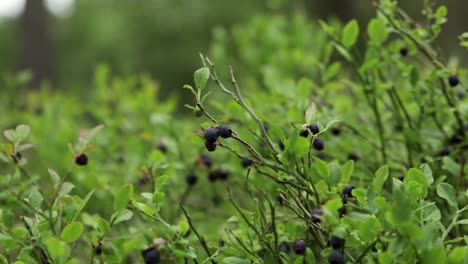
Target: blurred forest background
[61,41]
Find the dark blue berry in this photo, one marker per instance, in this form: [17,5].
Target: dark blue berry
[210,146]
[211,135]
[191,179]
[304,133]
[335,131]
[353,156]
[460,95]
[299,247]
[98,250]
[314,129]
[224,131]
[81,159]
[212,176]
[281,145]
[342,211]
[162,147]
[347,190]
[444,152]
[151,256]
[404,51]
[284,247]
[453,80]
[205,160]
[316,213]
[246,163]
[222,174]
[318,144]
[337,242]
[336,258]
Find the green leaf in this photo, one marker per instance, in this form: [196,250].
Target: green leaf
[234,260]
[54,176]
[183,227]
[369,229]
[451,166]
[310,114]
[346,171]
[350,34]
[303,87]
[321,167]
[447,192]
[201,77]
[428,173]
[35,198]
[380,176]
[22,132]
[335,174]
[55,247]
[144,208]
[416,183]
[121,216]
[72,232]
[377,31]
[458,255]
[434,255]
[83,204]
[160,181]
[123,197]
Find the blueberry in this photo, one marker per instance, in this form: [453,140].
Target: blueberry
[316,213]
[211,135]
[353,156]
[444,152]
[453,80]
[335,131]
[81,159]
[246,163]
[299,247]
[318,144]
[404,51]
[456,139]
[162,147]
[222,174]
[314,129]
[460,95]
[284,247]
[347,190]
[210,146]
[337,242]
[281,145]
[224,131]
[151,256]
[336,258]
[342,211]
[191,179]
[212,176]
[304,133]
[98,250]
[206,160]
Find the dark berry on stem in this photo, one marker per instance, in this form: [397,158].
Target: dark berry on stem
[318,144]
[222,174]
[281,145]
[314,129]
[224,131]
[335,131]
[211,135]
[246,163]
[316,213]
[304,133]
[151,256]
[299,247]
[213,176]
[453,80]
[444,152]
[336,258]
[98,250]
[460,94]
[284,247]
[342,211]
[210,146]
[353,156]
[206,160]
[347,190]
[337,242]
[162,147]
[404,52]
[191,179]
[81,159]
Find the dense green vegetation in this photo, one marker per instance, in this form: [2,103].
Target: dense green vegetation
[322,143]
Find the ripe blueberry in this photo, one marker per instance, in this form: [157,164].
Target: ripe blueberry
[335,131]
[98,249]
[151,256]
[191,179]
[213,176]
[81,159]
[222,174]
[314,129]
[284,247]
[342,211]
[162,147]
[316,213]
[299,247]
[456,139]
[347,190]
[444,152]
[336,258]
[281,145]
[404,51]
[337,242]
[453,80]
[224,131]
[246,163]
[211,135]
[304,133]
[353,156]
[205,160]
[210,146]
[318,144]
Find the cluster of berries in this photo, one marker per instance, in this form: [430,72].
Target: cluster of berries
[214,175]
[211,136]
[314,129]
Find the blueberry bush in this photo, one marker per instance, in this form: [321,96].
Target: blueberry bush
[324,142]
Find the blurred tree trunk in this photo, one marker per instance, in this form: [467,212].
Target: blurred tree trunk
[35,53]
